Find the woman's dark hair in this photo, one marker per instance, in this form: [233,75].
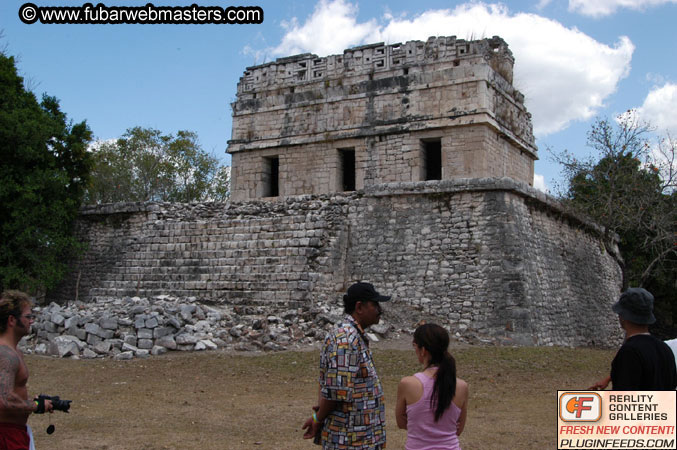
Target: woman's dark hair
[435,340]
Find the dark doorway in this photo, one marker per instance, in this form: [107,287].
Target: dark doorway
[432,159]
[272,177]
[347,168]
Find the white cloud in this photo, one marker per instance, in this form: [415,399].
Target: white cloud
[600,8]
[659,108]
[330,29]
[539,183]
[564,74]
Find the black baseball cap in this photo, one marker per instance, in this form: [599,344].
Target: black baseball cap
[363,292]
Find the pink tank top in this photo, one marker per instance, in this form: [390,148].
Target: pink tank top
[423,433]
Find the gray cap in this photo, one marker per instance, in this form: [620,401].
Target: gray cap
[636,306]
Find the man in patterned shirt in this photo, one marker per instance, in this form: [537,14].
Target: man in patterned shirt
[351,413]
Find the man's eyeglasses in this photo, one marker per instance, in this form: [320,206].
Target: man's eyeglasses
[28,316]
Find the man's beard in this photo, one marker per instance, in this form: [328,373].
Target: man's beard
[24,331]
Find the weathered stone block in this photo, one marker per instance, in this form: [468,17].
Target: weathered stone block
[162,332]
[93,339]
[102,348]
[93,328]
[124,356]
[144,333]
[109,323]
[129,339]
[129,348]
[145,344]
[58,319]
[186,339]
[167,342]
[205,345]
[89,354]
[158,350]
[71,322]
[63,347]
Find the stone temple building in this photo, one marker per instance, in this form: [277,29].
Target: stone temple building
[407,165]
[418,111]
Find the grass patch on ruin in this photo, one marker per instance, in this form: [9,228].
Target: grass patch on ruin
[228,401]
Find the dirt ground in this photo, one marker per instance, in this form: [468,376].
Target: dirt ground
[219,400]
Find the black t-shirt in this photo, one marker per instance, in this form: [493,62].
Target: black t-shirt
[644,363]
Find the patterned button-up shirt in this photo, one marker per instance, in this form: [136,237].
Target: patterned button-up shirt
[348,375]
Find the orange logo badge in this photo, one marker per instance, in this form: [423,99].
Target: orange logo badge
[580,407]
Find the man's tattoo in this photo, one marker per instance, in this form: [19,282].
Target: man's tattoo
[9,367]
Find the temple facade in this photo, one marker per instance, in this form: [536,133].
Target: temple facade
[435,110]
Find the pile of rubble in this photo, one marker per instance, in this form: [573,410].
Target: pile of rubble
[124,328]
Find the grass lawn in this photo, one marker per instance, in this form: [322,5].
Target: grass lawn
[228,401]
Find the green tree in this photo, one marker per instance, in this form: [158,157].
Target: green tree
[629,189]
[145,165]
[219,188]
[44,170]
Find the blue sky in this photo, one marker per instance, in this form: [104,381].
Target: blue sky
[575,60]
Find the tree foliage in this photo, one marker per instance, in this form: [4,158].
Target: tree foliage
[44,167]
[629,189]
[145,165]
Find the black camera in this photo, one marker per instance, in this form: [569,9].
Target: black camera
[57,403]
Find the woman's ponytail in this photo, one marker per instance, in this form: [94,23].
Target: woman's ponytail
[445,385]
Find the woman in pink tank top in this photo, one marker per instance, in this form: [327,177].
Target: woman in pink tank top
[432,404]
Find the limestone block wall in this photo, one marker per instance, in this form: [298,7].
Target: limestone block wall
[494,257]
[489,258]
[270,254]
[382,101]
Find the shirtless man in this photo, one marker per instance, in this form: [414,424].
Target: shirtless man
[15,322]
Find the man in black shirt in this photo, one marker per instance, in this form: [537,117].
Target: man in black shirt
[643,362]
